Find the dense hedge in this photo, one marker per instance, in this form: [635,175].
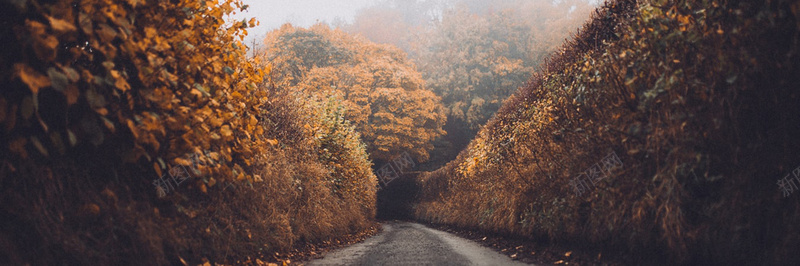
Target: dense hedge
[698,99]
[101,98]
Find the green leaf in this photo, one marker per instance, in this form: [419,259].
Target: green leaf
[202,89]
[39,146]
[731,79]
[72,139]
[71,74]
[95,100]
[58,80]
[56,140]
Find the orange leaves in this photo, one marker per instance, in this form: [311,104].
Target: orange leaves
[31,77]
[210,4]
[85,23]
[106,33]
[161,44]
[683,19]
[171,74]
[157,168]
[61,26]
[135,3]
[253,120]
[683,22]
[226,131]
[181,161]
[381,92]
[120,82]
[44,45]
[150,32]
[252,124]
[132,127]
[272,142]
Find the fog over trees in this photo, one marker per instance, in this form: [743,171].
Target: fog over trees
[473,54]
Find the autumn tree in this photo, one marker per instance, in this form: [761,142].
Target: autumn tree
[383,94]
[475,62]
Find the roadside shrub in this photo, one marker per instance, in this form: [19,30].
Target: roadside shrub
[103,98]
[699,102]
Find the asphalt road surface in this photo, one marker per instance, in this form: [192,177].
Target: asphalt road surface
[403,243]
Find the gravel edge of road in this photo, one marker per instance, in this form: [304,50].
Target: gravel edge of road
[531,251]
[304,253]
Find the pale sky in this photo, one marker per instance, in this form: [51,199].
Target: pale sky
[274,13]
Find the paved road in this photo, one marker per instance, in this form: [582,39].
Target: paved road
[403,243]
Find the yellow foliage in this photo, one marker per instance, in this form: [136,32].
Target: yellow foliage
[384,95]
[136,67]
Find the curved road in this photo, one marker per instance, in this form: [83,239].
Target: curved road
[402,243]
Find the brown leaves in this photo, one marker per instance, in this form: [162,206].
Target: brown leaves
[85,23]
[181,161]
[166,54]
[61,26]
[44,45]
[381,92]
[31,77]
[135,3]
[106,33]
[119,81]
[226,131]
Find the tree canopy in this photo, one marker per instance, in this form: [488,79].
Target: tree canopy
[384,96]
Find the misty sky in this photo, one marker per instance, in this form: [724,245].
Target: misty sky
[304,13]
[274,13]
